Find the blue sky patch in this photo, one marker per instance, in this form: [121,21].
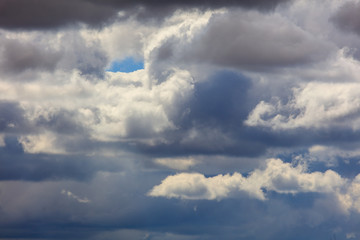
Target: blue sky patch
[127,65]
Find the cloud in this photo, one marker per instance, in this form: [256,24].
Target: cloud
[22,14]
[311,107]
[18,56]
[237,40]
[43,14]
[17,165]
[346,17]
[225,86]
[177,163]
[13,119]
[73,196]
[277,176]
[26,58]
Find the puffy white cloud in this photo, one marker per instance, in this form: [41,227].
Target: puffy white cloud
[311,107]
[197,186]
[276,176]
[117,107]
[350,200]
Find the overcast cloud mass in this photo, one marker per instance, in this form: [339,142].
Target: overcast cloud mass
[237,119]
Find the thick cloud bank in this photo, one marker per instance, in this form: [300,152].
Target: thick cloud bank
[179,119]
[45,14]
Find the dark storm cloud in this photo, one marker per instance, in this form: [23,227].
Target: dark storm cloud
[347,17]
[48,14]
[229,219]
[12,118]
[18,165]
[41,14]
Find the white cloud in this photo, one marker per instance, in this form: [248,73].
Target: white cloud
[197,186]
[41,143]
[117,107]
[331,155]
[312,107]
[351,198]
[276,176]
[73,196]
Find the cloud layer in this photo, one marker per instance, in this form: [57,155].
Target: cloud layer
[22,14]
[240,120]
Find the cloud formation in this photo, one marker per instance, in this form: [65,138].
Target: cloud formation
[310,107]
[22,14]
[90,152]
[277,176]
[346,17]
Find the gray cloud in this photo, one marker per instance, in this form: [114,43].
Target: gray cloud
[246,40]
[347,17]
[18,56]
[23,14]
[12,118]
[27,57]
[221,91]
[18,165]
[86,56]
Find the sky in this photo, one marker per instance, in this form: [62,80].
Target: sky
[179,120]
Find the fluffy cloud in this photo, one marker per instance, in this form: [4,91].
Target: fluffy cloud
[311,107]
[225,85]
[277,176]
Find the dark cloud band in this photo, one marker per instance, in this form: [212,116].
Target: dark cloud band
[46,14]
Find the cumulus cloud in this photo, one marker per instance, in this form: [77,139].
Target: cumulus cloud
[311,107]
[277,176]
[225,85]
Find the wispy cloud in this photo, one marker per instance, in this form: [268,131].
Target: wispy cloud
[73,196]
